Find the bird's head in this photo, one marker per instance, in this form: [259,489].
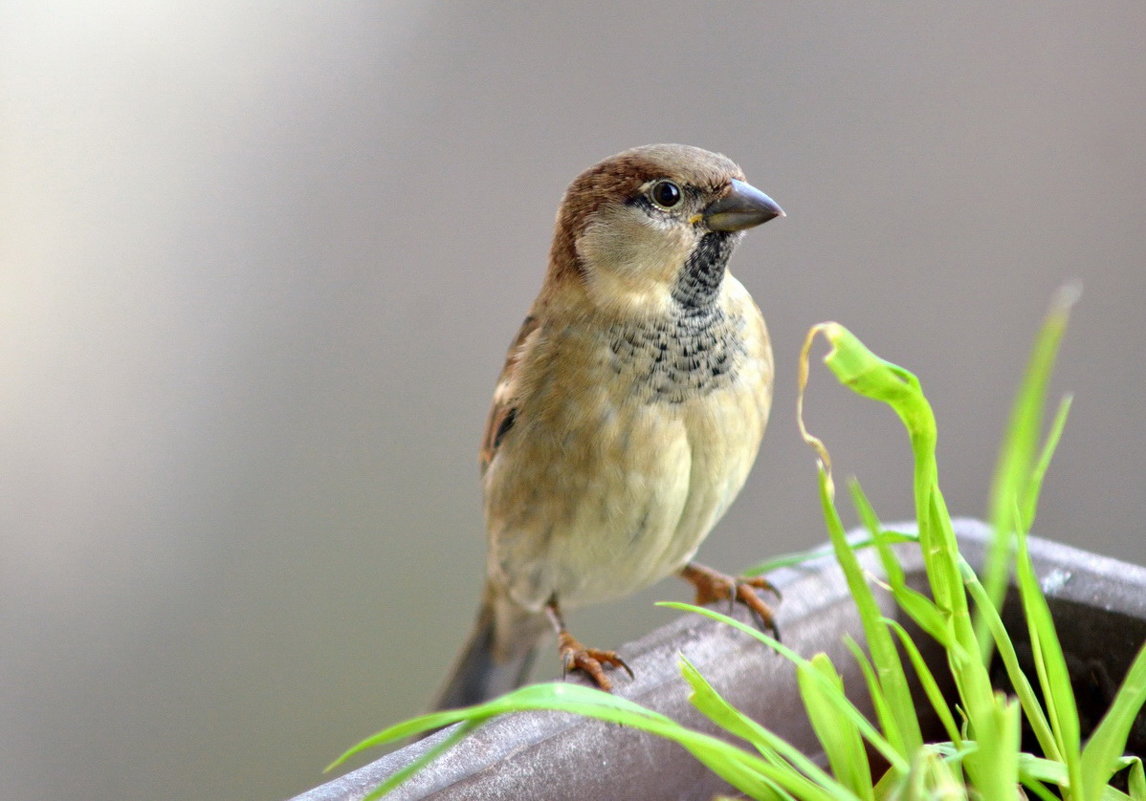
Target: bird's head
[654,226]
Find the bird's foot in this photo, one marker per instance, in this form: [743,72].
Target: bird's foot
[712,586]
[592,661]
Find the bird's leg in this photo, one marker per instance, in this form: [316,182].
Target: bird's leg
[712,586]
[575,656]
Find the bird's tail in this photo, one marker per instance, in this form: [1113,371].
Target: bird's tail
[497,656]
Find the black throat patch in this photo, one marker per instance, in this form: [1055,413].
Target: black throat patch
[699,282]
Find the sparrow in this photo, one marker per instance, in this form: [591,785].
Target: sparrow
[629,412]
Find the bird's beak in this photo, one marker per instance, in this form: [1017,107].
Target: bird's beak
[743,207]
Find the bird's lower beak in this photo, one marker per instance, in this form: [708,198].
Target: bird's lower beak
[743,207]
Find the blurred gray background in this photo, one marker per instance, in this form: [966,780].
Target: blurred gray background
[259,264]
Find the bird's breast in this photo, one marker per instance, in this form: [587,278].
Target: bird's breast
[630,443]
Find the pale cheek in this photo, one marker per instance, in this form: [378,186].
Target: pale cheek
[632,268]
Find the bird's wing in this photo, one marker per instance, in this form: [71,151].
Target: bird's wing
[503,412]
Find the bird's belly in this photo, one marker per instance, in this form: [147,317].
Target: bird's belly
[623,497]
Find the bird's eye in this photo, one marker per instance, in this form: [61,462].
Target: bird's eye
[665,194]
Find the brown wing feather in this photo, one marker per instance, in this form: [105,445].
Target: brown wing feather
[503,412]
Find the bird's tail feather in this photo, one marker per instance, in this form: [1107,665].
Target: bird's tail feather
[487,667]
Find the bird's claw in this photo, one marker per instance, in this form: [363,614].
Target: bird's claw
[591,661]
[712,586]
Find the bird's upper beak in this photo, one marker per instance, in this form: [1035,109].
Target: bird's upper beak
[743,207]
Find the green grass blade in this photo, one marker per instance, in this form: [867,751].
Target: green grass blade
[845,707]
[902,727]
[997,758]
[788,560]
[1050,665]
[1136,780]
[714,707]
[1040,790]
[888,722]
[773,748]
[409,728]
[752,631]
[1036,773]
[934,777]
[556,696]
[918,606]
[1013,474]
[1114,794]
[928,683]
[820,551]
[1042,464]
[842,742]
[926,614]
[1032,708]
[1103,752]
[941,554]
[892,569]
[859,369]
[576,699]
[400,776]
